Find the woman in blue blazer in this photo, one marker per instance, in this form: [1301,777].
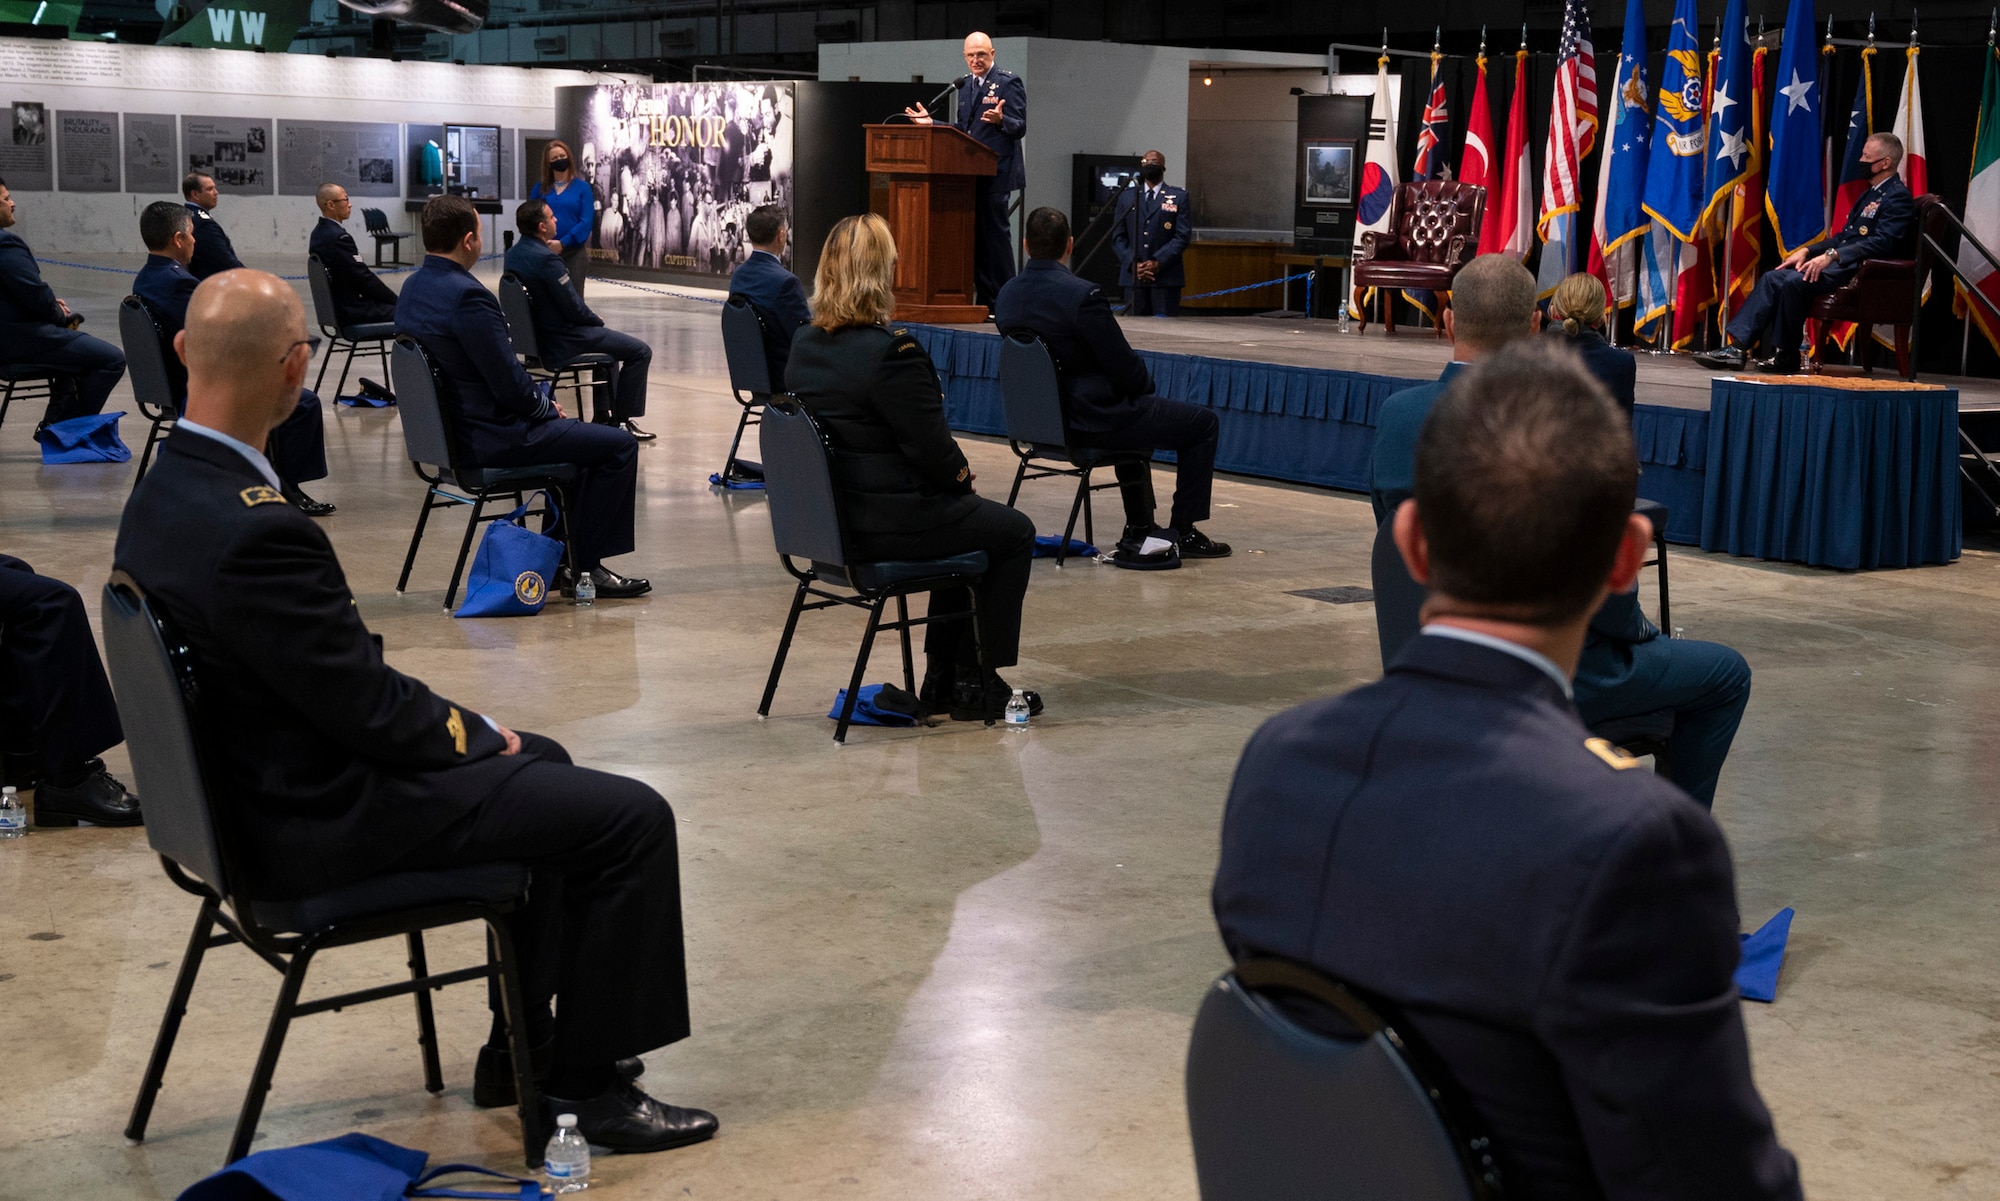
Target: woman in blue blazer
[570,198]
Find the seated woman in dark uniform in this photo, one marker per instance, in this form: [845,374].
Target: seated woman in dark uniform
[904,484]
[1576,315]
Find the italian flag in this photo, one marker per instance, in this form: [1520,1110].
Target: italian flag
[1982,210]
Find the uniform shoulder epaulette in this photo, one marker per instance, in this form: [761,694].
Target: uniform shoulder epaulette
[1617,758]
[262,494]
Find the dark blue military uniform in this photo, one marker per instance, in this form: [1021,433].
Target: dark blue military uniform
[298,447]
[1882,224]
[1627,667]
[32,333]
[993,244]
[779,298]
[359,295]
[56,708]
[213,253]
[1153,223]
[1616,369]
[1108,399]
[1560,930]
[331,766]
[501,419]
[566,329]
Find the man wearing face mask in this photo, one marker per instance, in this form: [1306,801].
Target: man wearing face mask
[1150,234]
[1882,224]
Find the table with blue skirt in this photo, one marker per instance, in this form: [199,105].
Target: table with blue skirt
[1805,472]
[1812,472]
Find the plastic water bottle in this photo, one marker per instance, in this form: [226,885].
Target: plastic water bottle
[586,589]
[1346,317]
[13,818]
[567,1161]
[1017,711]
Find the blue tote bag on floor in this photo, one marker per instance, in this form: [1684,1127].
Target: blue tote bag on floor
[91,439]
[353,1167]
[512,572]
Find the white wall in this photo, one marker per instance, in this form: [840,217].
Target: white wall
[1242,135]
[233,83]
[1083,97]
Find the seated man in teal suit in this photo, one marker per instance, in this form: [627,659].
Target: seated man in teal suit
[1627,668]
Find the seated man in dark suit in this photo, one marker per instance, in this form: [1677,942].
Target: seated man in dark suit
[1108,400]
[566,329]
[359,295]
[1558,929]
[499,416]
[298,446]
[213,251]
[57,714]
[776,294]
[1628,667]
[1881,225]
[36,329]
[335,767]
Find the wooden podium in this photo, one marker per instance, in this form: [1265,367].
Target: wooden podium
[922,186]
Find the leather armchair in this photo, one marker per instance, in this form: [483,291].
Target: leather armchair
[1433,231]
[1883,292]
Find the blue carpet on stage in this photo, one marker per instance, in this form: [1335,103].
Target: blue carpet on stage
[1309,425]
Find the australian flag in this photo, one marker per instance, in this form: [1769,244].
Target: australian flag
[1674,167]
[1431,164]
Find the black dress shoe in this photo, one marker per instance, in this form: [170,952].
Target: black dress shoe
[306,504]
[493,1074]
[1729,358]
[612,586]
[625,1120]
[636,432]
[1781,364]
[975,701]
[98,798]
[1196,545]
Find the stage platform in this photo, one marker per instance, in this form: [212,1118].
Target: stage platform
[1300,400]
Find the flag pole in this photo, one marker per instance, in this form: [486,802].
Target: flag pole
[1965,333]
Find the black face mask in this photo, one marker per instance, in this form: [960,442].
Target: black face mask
[561,164]
[1152,172]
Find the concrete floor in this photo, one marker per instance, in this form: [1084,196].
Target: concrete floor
[959,962]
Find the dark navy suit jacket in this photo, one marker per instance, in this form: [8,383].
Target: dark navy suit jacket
[1560,931]
[1156,228]
[779,298]
[167,287]
[1616,369]
[354,285]
[1881,225]
[30,318]
[1003,139]
[494,405]
[555,308]
[1102,376]
[213,253]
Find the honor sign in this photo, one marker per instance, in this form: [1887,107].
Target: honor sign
[663,128]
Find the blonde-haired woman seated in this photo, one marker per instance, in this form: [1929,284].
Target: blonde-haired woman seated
[1576,315]
[903,482]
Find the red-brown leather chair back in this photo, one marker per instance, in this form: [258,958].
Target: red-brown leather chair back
[1438,220]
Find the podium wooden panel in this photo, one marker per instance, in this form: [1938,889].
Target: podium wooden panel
[922,186]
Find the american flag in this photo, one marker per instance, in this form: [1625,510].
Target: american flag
[1572,117]
[1430,153]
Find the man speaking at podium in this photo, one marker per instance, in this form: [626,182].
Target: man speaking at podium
[992,108]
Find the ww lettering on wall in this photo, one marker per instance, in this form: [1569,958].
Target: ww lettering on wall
[243,25]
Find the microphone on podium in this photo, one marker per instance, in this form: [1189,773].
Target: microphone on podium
[949,88]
